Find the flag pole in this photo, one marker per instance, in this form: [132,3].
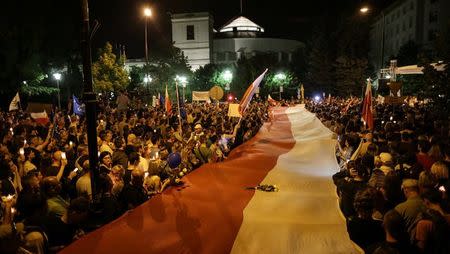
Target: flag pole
[179,113]
[20,103]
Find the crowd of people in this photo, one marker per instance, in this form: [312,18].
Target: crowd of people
[45,178]
[393,181]
[392,185]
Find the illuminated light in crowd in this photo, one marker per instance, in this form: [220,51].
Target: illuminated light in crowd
[24,82]
[395,121]
[382,122]
[230,97]
[317,98]
[98,154]
[388,76]
[441,96]
[391,118]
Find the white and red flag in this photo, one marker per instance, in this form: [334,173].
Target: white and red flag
[167,103]
[40,117]
[216,209]
[367,116]
[250,92]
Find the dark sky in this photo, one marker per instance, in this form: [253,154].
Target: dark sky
[122,21]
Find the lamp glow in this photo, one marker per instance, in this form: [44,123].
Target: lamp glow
[364,9]
[57,76]
[147,12]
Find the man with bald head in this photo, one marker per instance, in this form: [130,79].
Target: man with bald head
[57,167]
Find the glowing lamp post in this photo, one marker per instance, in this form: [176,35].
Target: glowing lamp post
[280,77]
[57,76]
[183,82]
[147,14]
[228,77]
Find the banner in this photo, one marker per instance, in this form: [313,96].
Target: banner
[200,96]
[233,110]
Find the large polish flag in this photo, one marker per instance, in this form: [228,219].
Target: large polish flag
[217,211]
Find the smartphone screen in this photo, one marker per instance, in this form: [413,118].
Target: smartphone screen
[63,156]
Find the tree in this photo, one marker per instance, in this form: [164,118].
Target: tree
[320,77]
[350,75]
[108,74]
[407,54]
[37,38]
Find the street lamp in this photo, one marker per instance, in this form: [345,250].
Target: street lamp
[147,14]
[183,82]
[228,77]
[364,9]
[57,76]
[281,77]
[147,79]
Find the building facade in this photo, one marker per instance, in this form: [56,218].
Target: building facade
[406,20]
[194,34]
[191,32]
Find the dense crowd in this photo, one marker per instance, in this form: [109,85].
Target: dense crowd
[45,181]
[393,181]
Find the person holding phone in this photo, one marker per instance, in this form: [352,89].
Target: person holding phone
[59,162]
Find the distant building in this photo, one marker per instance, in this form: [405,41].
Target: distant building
[194,34]
[191,32]
[406,20]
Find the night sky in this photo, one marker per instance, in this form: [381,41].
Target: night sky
[122,20]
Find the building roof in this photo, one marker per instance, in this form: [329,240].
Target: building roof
[241,23]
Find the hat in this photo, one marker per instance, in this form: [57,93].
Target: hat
[198,126]
[385,157]
[407,183]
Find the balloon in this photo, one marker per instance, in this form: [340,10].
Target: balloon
[174,159]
